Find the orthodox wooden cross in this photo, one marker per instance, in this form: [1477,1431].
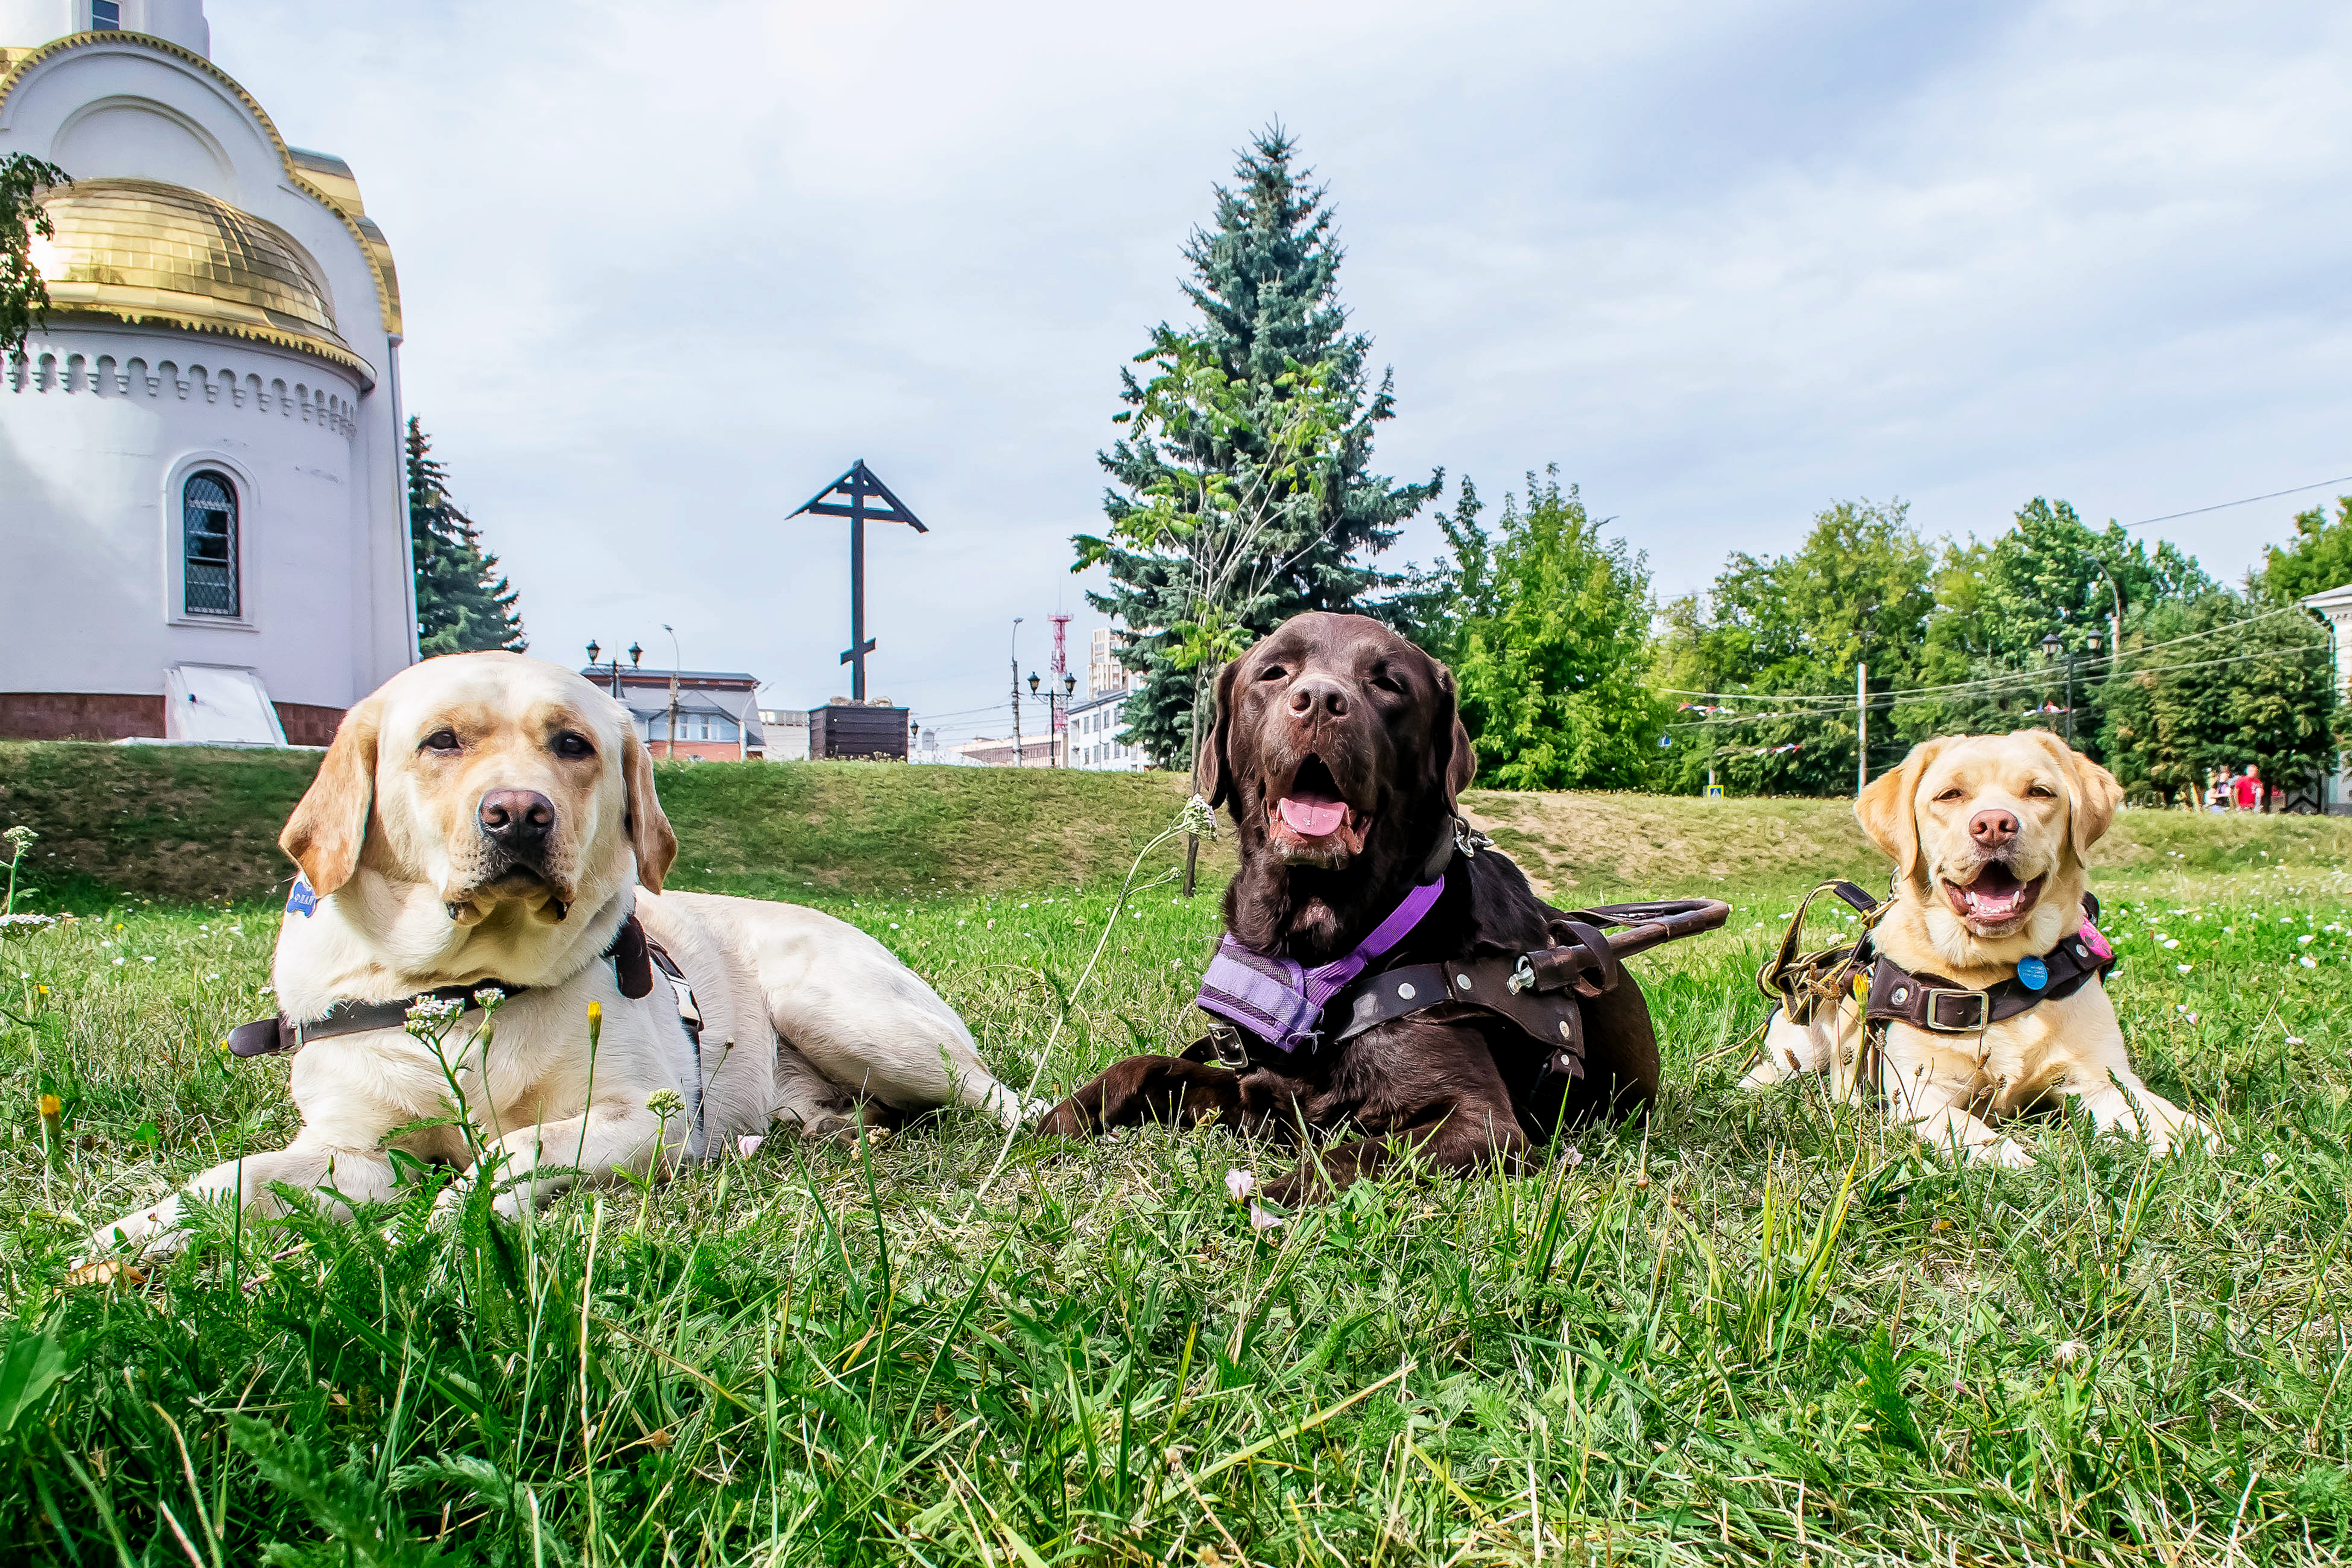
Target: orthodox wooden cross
[864,498]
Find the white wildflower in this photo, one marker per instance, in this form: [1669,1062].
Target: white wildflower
[2305,940]
[2308,962]
[2066,1353]
[749,1145]
[27,920]
[1261,1220]
[2184,968]
[433,1009]
[2170,942]
[665,1103]
[1240,1184]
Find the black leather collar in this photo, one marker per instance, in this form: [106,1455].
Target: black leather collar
[632,966]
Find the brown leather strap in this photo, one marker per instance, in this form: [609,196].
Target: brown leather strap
[1947,1008]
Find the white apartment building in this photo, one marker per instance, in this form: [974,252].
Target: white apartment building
[1095,726]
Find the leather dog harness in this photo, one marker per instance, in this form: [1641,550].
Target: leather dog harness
[1274,1009]
[1891,993]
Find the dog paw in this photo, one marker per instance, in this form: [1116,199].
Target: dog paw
[146,1233]
[2006,1154]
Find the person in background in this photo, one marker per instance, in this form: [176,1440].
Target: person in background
[2247,789]
[2217,790]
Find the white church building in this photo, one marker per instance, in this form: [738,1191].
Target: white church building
[204,529]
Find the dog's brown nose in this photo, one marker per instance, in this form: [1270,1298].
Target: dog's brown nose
[1313,694]
[517,817]
[1993,828]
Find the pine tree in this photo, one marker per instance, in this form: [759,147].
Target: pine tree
[1273,456]
[462,605]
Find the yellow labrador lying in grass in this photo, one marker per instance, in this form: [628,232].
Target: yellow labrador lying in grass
[1989,835]
[489,820]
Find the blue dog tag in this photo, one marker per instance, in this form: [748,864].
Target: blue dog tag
[2033,973]
[301,900]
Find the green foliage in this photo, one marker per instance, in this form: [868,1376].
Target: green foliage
[24,296]
[1782,630]
[462,605]
[1545,627]
[2263,692]
[1242,488]
[2319,559]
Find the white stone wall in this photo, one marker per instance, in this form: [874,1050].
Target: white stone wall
[100,428]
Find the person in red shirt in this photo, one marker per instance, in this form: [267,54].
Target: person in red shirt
[2247,789]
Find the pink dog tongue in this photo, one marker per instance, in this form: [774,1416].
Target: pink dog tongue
[1312,818]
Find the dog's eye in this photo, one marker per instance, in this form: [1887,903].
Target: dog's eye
[441,740]
[570,744]
[1273,672]
[2042,791]
[1388,682]
[1949,795]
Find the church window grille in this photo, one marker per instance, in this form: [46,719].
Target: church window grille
[105,15]
[208,532]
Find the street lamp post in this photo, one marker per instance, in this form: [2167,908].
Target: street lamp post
[636,653]
[1069,690]
[2053,647]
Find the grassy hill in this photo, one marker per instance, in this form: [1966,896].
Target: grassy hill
[189,825]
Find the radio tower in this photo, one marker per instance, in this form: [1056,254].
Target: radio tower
[1061,665]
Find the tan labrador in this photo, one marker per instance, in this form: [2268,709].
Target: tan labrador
[489,817]
[1989,835]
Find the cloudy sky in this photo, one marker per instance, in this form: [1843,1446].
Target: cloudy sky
[667,270]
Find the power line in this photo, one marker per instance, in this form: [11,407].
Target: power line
[1888,699]
[2224,506]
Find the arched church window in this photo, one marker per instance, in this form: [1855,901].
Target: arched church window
[208,530]
[105,15]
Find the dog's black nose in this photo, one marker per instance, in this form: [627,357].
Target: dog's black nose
[1992,829]
[1313,693]
[517,817]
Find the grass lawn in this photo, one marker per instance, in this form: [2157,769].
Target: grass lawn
[1758,1328]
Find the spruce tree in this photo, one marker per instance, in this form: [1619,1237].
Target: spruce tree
[462,605]
[1261,458]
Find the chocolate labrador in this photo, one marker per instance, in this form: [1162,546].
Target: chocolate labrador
[1339,751]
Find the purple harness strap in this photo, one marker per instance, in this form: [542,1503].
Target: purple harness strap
[1279,999]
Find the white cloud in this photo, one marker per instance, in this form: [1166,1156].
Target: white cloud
[668,271]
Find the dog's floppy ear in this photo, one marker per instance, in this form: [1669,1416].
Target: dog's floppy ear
[2093,794]
[1212,774]
[1887,812]
[1457,755]
[329,823]
[649,831]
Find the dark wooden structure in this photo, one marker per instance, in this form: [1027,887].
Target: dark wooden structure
[839,731]
[864,499]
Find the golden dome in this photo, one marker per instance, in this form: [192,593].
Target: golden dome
[142,251]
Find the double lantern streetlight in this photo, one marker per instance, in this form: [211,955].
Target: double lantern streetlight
[636,653]
[1069,690]
[2053,647]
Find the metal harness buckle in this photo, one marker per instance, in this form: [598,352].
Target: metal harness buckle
[1932,994]
[1523,978]
[1231,1052]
